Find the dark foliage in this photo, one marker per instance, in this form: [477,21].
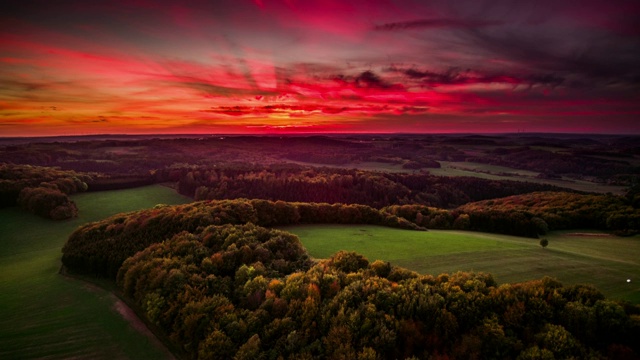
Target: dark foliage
[599,158]
[577,163]
[563,211]
[100,248]
[530,215]
[41,190]
[295,183]
[246,292]
[47,202]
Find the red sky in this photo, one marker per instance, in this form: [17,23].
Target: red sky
[70,67]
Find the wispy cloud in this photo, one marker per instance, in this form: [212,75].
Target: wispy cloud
[435,23]
[456,76]
[144,65]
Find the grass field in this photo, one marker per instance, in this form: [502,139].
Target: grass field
[46,315]
[604,261]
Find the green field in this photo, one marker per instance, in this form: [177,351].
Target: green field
[46,315]
[604,261]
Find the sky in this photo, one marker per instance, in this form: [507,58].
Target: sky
[71,67]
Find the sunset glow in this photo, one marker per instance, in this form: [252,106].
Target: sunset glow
[76,67]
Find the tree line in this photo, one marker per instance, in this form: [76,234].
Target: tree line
[247,292]
[290,182]
[530,214]
[464,203]
[100,248]
[577,164]
[41,190]
[607,159]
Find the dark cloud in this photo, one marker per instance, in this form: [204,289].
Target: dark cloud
[275,109]
[367,79]
[456,76]
[370,80]
[308,109]
[436,23]
[315,59]
[594,60]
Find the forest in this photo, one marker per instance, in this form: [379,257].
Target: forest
[605,159]
[41,190]
[247,292]
[350,186]
[100,248]
[216,280]
[220,290]
[530,214]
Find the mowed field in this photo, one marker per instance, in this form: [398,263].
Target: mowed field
[46,315]
[573,258]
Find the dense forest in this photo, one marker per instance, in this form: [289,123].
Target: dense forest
[530,214]
[41,190]
[554,164]
[100,248]
[601,159]
[242,291]
[441,202]
[509,207]
[247,292]
[566,210]
[377,189]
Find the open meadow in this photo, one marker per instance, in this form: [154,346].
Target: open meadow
[572,258]
[44,314]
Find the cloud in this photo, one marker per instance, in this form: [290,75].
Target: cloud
[436,23]
[284,63]
[370,80]
[308,109]
[593,60]
[365,80]
[456,76]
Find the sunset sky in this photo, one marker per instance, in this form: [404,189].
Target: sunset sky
[302,66]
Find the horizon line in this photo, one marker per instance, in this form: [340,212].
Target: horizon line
[297,134]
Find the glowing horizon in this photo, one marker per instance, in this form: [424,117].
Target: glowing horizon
[239,67]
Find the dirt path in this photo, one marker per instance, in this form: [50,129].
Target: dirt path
[131,317]
[125,311]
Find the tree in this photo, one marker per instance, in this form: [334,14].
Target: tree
[544,243]
[250,349]
[218,346]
